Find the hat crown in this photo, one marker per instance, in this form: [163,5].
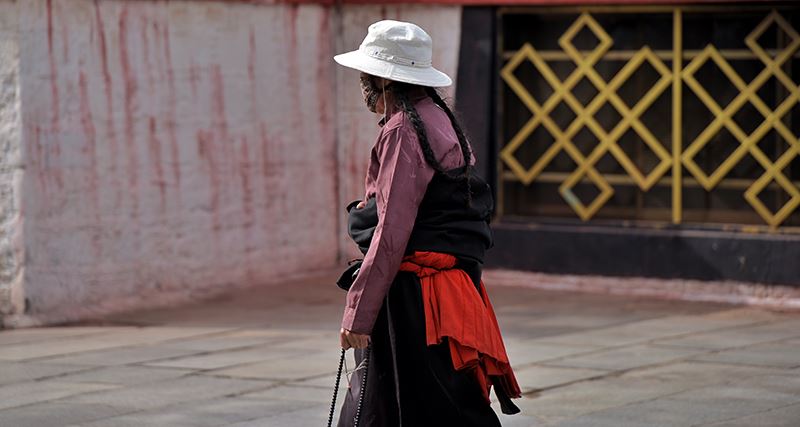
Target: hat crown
[398,42]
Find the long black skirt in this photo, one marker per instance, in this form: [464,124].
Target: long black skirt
[409,383]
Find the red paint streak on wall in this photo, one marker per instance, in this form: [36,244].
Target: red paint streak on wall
[357,167]
[107,87]
[55,125]
[499,2]
[247,190]
[64,40]
[326,127]
[218,102]
[293,70]
[205,150]
[130,99]
[148,66]
[39,156]
[87,122]
[154,147]
[194,78]
[172,112]
[266,169]
[219,118]
[251,59]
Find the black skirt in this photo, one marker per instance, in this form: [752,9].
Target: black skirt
[411,384]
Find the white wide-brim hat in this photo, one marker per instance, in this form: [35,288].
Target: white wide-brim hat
[399,51]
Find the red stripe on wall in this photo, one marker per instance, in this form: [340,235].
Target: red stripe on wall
[514,2]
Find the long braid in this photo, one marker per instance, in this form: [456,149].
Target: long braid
[466,150]
[419,127]
[400,91]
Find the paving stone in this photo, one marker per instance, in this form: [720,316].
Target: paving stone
[311,416]
[518,420]
[19,336]
[692,374]
[233,340]
[224,359]
[669,413]
[738,337]
[537,377]
[13,372]
[311,343]
[292,368]
[122,356]
[33,350]
[117,337]
[772,386]
[209,413]
[786,416]
[171,392]
[55,414]
[296,392]
[124,375]
[647,330]
[26,393]
[590,396]
[785,355]
[523,352]
[694,407]
[625,358]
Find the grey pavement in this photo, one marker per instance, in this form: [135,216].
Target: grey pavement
[267,357]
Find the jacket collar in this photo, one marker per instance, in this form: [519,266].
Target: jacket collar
[415,96]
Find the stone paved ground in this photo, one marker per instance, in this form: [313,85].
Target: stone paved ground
[267,357]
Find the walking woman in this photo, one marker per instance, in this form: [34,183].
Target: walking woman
[416,303]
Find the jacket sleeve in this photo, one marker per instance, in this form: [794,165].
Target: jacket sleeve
[401,182]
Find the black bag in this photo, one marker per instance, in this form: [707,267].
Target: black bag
[349,276]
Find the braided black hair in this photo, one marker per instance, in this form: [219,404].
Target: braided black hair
[400,92]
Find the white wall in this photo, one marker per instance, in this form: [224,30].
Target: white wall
[11,248]
[176,150]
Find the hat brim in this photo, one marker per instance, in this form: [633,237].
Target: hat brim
[428,76]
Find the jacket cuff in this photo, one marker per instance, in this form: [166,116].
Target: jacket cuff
[350,322]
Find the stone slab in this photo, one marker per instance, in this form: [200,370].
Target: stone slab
[538,377]
[668,413]
[27,393]
[56,414]
[224,359]
[523,352]
[649,330]
[738,337]
[209,413]
[786,416]
[124,375]
[782,355]
[625,358]
[165,393]
[117,337]
[19,336]
[13,372]
[290,368]
[122,356]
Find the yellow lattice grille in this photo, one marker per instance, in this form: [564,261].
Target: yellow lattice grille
[669,150]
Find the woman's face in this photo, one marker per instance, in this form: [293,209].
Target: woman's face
[372,92]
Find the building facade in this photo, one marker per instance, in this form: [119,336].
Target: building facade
[653,139]
[156,152]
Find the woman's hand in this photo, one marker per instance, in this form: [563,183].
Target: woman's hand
[361,204]
[353,340]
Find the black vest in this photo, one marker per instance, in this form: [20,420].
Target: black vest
[446,221]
